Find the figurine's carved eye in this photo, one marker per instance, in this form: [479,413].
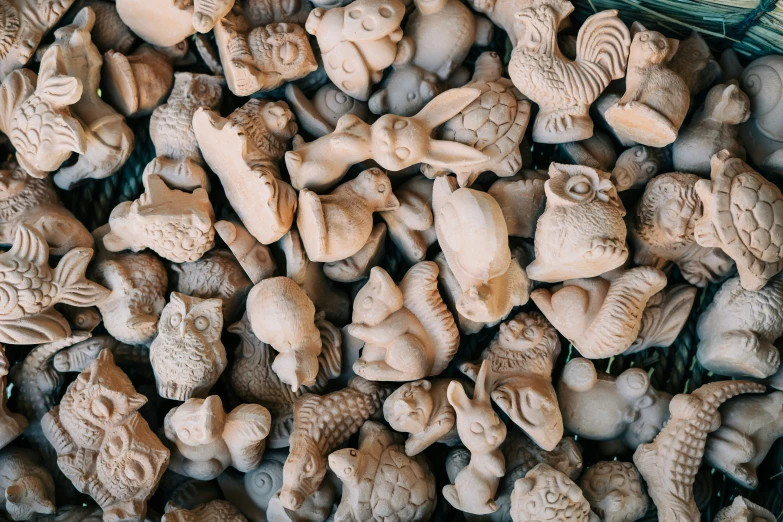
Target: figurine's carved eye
[650,169]
[201,323]
[175,320]
[475,427]
[400,124]
[367,303]
[16,174]
[661,44]
[309,466]
[382,189]
[352,453]
[402,152]
[411,96]
[385,12]
[184,434]
[101,408]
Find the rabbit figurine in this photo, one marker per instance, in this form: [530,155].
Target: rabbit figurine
[482,432]
[337,225]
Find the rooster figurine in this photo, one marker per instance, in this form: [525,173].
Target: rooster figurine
[564,89]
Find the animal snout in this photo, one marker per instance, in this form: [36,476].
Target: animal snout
[290,499]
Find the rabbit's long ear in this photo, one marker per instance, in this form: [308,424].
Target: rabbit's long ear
[481,394]
[457,396]
[449,155]
[446,105]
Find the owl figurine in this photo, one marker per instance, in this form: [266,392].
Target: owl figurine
[187,356]
[581,233]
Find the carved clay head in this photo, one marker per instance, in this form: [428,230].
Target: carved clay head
[650,47]
[667,213]
[615,492]
[408,409]
[546,493]
[279,120]
[198,421]
[377,299]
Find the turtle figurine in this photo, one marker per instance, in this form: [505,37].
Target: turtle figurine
[380,482]
[743,216]
[494,124]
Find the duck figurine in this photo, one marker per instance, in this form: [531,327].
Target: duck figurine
[337,225]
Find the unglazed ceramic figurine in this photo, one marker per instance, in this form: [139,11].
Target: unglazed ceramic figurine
[669,464]
[283,316]
[638,165]
[664,317]
[737,330]
[357,42]
[408,332]
[211,511]
[596,152]
[762,134]
[206,440]
[694,63]
[411,226]
[103,444]
[381,482]
[187,355]
[32,288]
[244,150]
[749,427]
[742,212]
[319,115]
[494,123]
[337,225]
[29,200]
[743,510]
[138,284]
[394,142]
[656,99]
[564,89]
[26,488]
[712,129]
[521,356]
[170,22]
[615,492]
[581,233]
[522,199]
[547,494]
[601,317]
[217,275]
[11,424]
[422,409]
[482,432]
[597,406]
[662,230]
[255,258]
[479,256]
[261,58]
[321,425]
[358,266]
[173,223]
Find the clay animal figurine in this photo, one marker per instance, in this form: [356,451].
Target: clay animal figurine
[32,201]
[494,123]
[597,406]
[546,493]
[564,89]
[422,409]
[656,99]
[408,332]
[712,129]
[411,226]
[173,223]
[694,63]
[737,330]
[214,510]
[380,482]
[664,317]
[743,510]
[522,199]
[337,225]
[108,140]
[358,266]
[244,151]
[762,134]
[170,22]
[283,316]
[32,288]
[502,14]
[394,142]
[138,283]
[256,259]
[482,432]
[319,115]
[357,42]
[36,114]
[662,231]
[615,492]
[262,58]
[178,158]
[638,165]
[103,444]
[205,440]
[262,12]
[581,233]
[187,354]
[491,282]
[521,356]
[79,352]
[26,488]
[741,212]
[11,424]
[136,84]
[596,152]
[321,425]
[217,275]
[669,463]
[749,427]
[254,381]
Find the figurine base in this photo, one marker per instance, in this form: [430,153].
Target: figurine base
[641,124]
[562,126]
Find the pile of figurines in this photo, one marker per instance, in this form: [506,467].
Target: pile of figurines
[357,264]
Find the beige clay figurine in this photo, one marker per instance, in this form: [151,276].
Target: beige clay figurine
[762,134]
[255,258]
[694,63]
[565,89]
[411,226]
[548,493]
[522,199]
[26,488]
[615,491]
[216,510]
[187,354]
[103,444]
[638,165]
[319,115]
[359,265]
[664,317]
[11,424]
[581,233]
[743,510]
[168,22]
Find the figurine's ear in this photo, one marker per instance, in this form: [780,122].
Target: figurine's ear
[450,154]
[482,389]
[406,49]
[447,105]
[524,486]
[378,102]
[633,384]
[114,243]
[424,384]
[579,375]
[136,401]
[673,45]
[637,27]
[85,19]
[457,397]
